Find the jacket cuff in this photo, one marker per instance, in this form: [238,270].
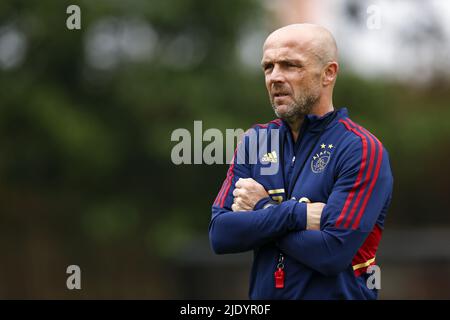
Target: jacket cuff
[299,214]
[262,202]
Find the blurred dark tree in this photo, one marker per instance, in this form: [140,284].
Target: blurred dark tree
[85,138]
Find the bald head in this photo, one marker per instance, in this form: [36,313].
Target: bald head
[306,38]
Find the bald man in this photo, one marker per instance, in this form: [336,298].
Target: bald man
[315,224]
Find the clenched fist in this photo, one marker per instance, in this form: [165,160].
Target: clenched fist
[246,194]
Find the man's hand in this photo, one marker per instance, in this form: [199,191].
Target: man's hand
[313,215]
[246,194]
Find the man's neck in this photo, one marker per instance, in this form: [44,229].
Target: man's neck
[295,124]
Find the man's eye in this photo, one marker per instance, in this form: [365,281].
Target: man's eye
[268,66]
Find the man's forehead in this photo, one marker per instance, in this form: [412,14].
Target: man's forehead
[287,42]
[283,52]
[282,41]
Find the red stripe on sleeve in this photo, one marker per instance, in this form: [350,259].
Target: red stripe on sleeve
[227,184]
[358,178]
[229,181]
[219,195]
[366,180]
[372,183]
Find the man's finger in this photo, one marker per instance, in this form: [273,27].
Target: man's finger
[243,203]
[243,182]
[238,183]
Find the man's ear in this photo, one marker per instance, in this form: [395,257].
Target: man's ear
[330,73]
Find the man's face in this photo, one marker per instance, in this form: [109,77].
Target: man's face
[292,76]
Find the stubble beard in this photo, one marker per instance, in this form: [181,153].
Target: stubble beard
[299,108]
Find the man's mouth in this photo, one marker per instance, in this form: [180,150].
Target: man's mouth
[280,95]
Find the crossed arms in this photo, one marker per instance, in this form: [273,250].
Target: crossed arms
[307,232]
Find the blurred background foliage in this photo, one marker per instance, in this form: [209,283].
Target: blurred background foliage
[85,123]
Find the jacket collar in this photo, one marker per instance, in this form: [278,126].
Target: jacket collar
[314,123]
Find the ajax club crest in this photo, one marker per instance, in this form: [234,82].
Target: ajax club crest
[320,160]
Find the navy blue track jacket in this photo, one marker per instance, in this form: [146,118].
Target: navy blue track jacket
[349,170]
